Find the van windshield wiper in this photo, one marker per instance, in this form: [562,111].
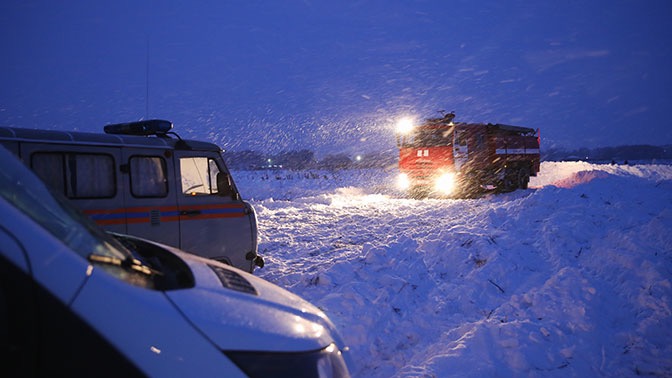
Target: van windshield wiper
[127,263]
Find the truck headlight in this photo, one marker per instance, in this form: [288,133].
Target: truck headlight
[323,363]
[445,184]
[403,182]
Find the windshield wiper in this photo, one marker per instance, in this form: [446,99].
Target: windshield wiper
[127,263]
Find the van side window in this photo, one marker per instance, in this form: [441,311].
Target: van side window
[199,176]
[76,175]
[148,176]
[50,167]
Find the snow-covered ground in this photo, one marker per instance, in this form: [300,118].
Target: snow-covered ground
[572,277]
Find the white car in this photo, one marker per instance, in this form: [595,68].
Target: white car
[76,301]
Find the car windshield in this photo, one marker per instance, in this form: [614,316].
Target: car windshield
[20,187]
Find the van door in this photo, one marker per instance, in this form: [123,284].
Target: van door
[151,195]
[214,221]
[87,176]
[460,148]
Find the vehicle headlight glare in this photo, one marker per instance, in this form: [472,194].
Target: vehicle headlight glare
[403,182]
[405,126]
[445,183]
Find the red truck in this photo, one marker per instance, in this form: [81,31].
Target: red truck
[455,159]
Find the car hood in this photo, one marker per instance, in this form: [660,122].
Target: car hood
[238,311]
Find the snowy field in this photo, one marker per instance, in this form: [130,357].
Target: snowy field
[572,277]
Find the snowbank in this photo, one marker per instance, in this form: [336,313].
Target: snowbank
[570,278]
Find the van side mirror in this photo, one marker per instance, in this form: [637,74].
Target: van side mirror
[224,188]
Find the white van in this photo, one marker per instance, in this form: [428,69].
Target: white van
[142,179]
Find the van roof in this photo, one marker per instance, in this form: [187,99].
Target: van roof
[100,139]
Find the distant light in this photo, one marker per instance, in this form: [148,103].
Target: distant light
[358,158]
[405,125]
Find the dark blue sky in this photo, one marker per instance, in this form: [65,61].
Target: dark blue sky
[334,75]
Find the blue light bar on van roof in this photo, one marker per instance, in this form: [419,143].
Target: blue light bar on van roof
[148,127]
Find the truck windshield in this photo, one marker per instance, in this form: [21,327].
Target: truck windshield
[426,137]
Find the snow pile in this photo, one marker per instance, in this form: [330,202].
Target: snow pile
[572,277]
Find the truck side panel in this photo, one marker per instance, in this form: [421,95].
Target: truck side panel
[518,150]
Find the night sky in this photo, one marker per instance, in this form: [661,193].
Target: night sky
[334,75]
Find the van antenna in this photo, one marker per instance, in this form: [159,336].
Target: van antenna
[147,81]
